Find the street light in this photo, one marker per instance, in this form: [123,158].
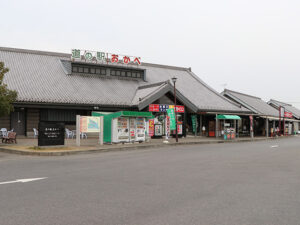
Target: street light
[174,79]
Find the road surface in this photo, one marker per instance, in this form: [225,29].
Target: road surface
[251,183]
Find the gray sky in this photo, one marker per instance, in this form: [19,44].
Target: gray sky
[252,46]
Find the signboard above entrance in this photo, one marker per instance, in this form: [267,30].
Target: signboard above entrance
[164,108]
[104,57]
[288,115]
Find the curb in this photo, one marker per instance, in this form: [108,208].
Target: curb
[123,148]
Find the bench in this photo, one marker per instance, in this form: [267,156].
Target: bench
[10,138]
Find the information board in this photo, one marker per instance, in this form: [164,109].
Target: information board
[89,124]
[51,134]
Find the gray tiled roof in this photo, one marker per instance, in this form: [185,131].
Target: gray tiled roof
[253,103]
[288,107]
[45,77]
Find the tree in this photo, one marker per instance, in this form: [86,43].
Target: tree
[7,97]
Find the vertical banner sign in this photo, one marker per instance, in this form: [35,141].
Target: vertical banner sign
[171,114]
[194,123]
[251,123]
[167,127]
[151,127]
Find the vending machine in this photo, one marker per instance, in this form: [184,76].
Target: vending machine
[140,129]
[132,128]
[120,130]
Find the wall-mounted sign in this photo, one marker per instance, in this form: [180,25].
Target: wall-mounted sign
[164,108]
[104,57]
[288,115]
[89,124]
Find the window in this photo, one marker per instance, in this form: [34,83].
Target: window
[75,69]
[101,70]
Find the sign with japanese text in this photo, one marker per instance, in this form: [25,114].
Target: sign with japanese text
[51,134]
[288,115]
[167,126]
[89,124]
[164,108]
[171,114]
[104,57]
[151,127]
[194,123]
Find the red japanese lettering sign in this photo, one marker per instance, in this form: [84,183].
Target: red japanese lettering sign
[288,115]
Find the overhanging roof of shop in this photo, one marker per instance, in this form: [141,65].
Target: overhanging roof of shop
[149,93]
[288,107]
[228,117]
[255,104]
[44,77]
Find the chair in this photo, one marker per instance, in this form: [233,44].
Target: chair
[83,135]
[10,138]
[3,132]
[35,133]
[69,133]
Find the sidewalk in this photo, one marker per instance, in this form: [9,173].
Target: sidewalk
[28,146]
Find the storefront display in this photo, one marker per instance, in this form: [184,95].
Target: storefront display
[158,130]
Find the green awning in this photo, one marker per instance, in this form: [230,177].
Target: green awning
[126,114]
[228,117]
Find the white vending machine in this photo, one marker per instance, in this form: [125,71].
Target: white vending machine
[120,130]
[140,129]
[132,129]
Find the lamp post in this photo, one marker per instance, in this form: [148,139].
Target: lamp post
[174,79]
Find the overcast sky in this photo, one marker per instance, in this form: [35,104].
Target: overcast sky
[249,46]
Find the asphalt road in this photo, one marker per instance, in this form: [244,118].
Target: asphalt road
[234,184]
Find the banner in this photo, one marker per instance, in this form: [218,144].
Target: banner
[151,127]
[89,124]
[194,122]
[171,114]
[167,126]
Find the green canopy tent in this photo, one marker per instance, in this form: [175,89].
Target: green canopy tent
[228,117]
[107,120]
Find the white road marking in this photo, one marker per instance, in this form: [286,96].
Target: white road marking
[274,146]
[23,180]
